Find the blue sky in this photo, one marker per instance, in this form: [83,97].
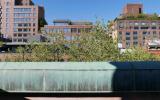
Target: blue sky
[91,9]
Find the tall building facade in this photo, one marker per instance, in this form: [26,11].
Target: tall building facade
[133,27]
[19,19]
[70,29]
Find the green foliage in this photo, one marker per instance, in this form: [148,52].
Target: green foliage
[42,22]
[137,54]
[21,54]
[1,43]
[141,17]
[96,45]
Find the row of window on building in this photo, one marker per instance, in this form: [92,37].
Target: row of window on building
[23,9]
[67,30]
[136,25]
[24,14]
[136,37]
[25,20]
[139,23]
[24,30]
[24,25]
[66,38]
[20,40]
[20,35]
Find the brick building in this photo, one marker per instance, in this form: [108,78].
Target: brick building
[70,29]
[133,27]
[19,19]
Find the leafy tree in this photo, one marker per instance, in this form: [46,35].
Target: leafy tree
[42,22]
[96,45]
[21,54]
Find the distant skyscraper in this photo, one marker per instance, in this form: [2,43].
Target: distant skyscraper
[20,19]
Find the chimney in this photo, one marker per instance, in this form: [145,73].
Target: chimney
[133,9]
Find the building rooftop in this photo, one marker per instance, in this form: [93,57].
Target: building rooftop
[69,22]
[139,17]
[135,12]
[62,21]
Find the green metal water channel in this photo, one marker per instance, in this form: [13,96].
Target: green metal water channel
[50,77]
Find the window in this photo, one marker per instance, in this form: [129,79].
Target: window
[74,30]
[120,33]
[135,38]
[25,25]
[135,43]
[34,30]
[153,23]
[15,35]
[127,38]
[121,25]
[140,10]
[154,27]
[19,30]
[127,44]
[154,34]
[14,40]
[144,27]
[66,30]
[19,25]
[25,40]
[144,33]
[7,9]
[7,3]
[19,35]
[135,33]
[136,28]
[7,14]
[25,35]
[25,30]
[19,40]
[127,33]
[136,24]
[22,9]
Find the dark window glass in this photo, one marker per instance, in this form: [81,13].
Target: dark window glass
[136,28]
[135,38]
[24,40]
[144,27]
[135,33]
[15,35]
[25,35]
[19,35]
[127,38]
[128,33]
[19,40]
[154,27]
[140,10]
